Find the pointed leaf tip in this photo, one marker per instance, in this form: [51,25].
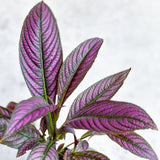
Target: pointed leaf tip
[101,90]
[40,51]
[135,144]
[76,66]
[26,112]
[111,116]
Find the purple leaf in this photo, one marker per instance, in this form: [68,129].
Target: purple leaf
[26,112]
[4,121]
[102,90]
[4,112]
[11,106]
[111,116]
[40,51]
[28,145]
[76,66]
[44,151]
[43,125]
[89,155]
[20,137]
[135,144]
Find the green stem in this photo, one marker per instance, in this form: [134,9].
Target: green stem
[49,116]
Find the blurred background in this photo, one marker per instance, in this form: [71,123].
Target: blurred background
[131,33]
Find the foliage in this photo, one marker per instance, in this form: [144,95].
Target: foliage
[51,81]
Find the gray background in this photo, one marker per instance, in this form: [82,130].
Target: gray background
[131,33]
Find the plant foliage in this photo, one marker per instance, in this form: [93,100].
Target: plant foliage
[51,81]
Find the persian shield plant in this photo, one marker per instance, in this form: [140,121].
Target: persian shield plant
[51,81]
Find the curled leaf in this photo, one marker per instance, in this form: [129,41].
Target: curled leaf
[101,90]
[40,51]
[4,112]
[44,151]
[82,145]
[26,112]
[76,66]
[11,106]
[111,116]
[135,144]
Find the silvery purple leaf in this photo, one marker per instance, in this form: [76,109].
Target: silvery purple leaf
[44,151]
[89,155]
[135,144]
[28,145]
[11,106]
[82,145]
[4,121]
[26,112]
[76,66]
[4,112]
[102,90]
[40,51]
[111,116]
[20,137]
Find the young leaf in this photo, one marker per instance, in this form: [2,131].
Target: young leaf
[26,112]
[44,151]
[102,90]
[40,51]
[4,112]
[76,66]
[82,145]
[11,106]
[43,125]
[135,144]
[20,137]
[28,145]
[89,155]
[111,116]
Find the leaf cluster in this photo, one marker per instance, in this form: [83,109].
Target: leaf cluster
[51,81]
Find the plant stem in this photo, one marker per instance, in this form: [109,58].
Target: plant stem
[49,116]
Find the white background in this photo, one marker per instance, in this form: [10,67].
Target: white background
[131,33]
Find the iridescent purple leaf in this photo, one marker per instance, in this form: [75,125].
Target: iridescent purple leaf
[89,155]
[44,151]
[40,51]
[11,106]
[26,112]
[76,66]
[111,116]
[4,112]
[135,144]
[20,137]
[101,90]
[28,145]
